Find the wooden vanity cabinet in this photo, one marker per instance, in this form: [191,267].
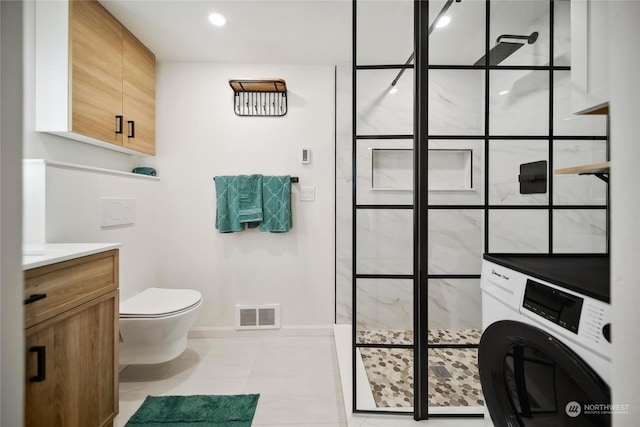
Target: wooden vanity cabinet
[95,81]
[71,342]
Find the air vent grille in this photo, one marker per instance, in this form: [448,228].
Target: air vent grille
[247,317]
[258,316]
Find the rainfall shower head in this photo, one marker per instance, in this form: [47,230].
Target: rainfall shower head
[502,50]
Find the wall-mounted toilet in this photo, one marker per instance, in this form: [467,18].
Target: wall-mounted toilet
[154,324]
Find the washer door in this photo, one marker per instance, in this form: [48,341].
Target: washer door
[530,378]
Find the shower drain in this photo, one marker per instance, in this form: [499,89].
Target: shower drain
[440,372]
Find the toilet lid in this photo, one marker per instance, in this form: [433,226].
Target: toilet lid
[154,302]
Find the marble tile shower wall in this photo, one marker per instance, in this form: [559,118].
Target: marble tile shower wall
[344,187]
[384,237]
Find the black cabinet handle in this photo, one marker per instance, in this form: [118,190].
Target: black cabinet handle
[41,352]
[132,129]
[34,298]
[118,124]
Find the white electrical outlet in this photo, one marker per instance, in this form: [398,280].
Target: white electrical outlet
[118,212]
[307,193]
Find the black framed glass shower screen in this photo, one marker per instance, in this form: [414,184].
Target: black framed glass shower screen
[490,108]
[383,217]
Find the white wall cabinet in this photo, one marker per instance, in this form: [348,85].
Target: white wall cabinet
[589,57]
[95,82]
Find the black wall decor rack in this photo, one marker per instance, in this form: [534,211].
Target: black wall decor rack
[259,97]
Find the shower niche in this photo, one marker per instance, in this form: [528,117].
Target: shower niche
[448,169]
[391,169]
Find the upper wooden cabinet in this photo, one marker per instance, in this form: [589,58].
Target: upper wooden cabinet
[589,57]
[139,94]
[96,71]
[95,82]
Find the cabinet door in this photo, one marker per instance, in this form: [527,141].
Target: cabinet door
[96,71]
[589,56]
[80,385]
[139,97]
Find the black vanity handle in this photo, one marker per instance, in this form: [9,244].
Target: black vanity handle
[41,352]
[119,124]
[34,298]
[132,129]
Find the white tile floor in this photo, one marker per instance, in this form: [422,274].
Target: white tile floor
[297,378]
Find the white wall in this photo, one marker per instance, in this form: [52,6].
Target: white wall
[63,205]
[70,196]
[11,332]
[200,137]
[624,37]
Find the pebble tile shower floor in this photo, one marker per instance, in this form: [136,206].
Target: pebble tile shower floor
[453,372]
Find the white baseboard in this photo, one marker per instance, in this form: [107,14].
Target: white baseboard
[287,331]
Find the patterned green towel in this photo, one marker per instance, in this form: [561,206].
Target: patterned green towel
[253,200]
[250,199]
[227,204]
[276,204]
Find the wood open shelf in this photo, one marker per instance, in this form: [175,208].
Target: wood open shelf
[585,169]
[258,85]
[601,170]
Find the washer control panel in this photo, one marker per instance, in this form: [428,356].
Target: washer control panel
[595,324]
[585,320]
[553,304]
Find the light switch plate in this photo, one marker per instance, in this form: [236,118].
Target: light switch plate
[118,212]
[306,156]
[307,193]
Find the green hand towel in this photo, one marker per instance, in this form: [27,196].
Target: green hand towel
[250,199]
[276,204]
[227,204]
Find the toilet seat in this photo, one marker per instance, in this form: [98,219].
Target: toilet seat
[159,302]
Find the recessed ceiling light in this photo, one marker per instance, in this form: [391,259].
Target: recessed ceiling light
[503,92]
[217,19]
[443,22]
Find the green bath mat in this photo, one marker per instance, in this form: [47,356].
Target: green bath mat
[196,411]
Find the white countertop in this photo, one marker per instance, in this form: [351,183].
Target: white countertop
[38,255]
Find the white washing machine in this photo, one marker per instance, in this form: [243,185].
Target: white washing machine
[545,353]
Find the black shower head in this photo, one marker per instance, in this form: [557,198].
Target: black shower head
[531,39]
[499,53]
[502,50]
